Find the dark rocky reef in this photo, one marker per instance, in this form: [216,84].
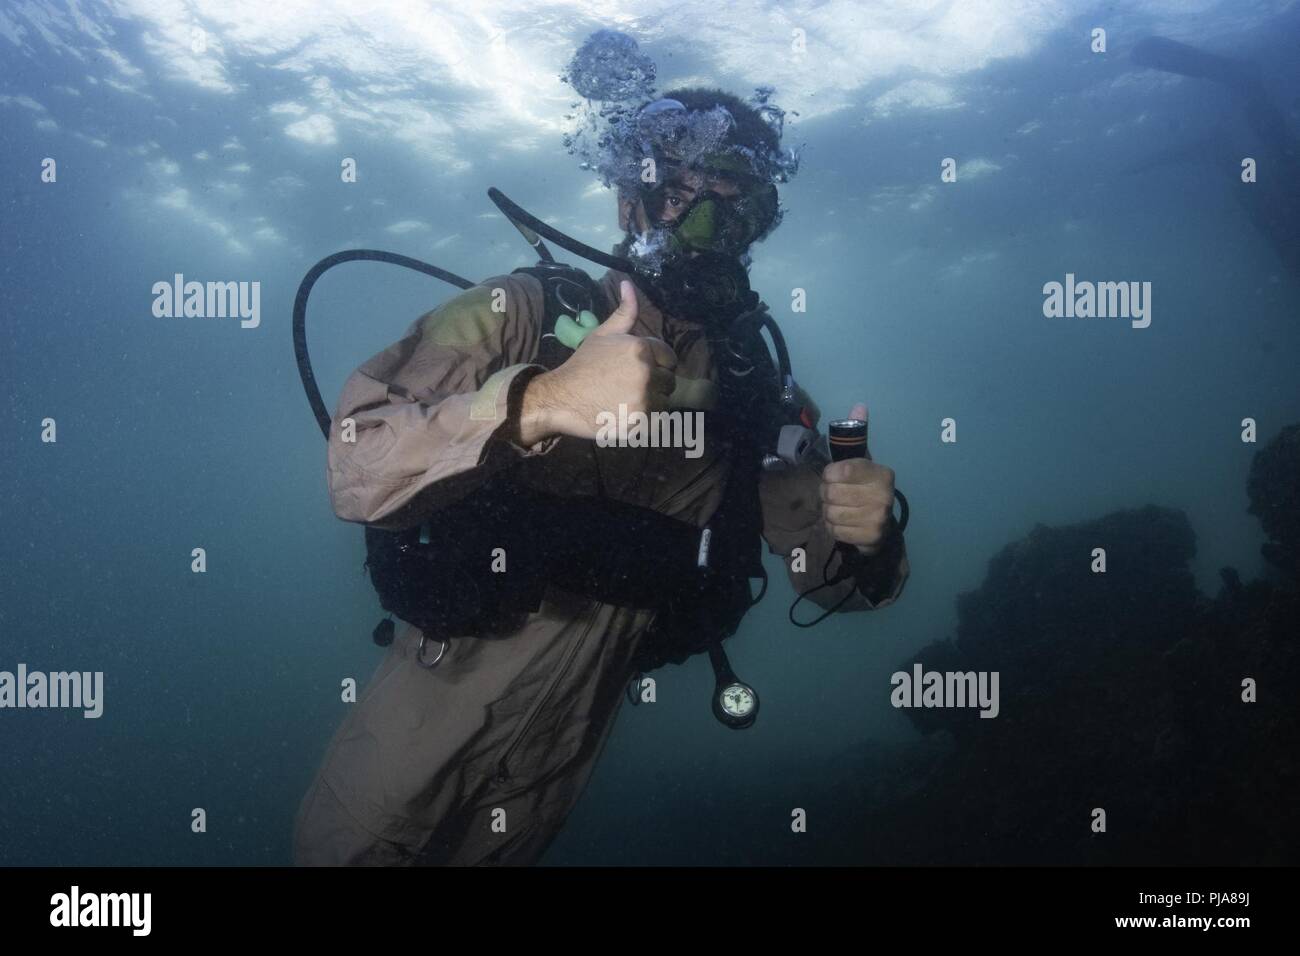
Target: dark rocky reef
[1274,489]
[1123,691]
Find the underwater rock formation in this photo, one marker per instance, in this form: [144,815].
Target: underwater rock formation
[1121,690]
[1274,489]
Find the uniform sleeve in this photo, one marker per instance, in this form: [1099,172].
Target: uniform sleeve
[792,518]
[428,419]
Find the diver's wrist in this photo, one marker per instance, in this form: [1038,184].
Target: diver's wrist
[536,411]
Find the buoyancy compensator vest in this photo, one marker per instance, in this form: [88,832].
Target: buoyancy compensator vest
[696,580]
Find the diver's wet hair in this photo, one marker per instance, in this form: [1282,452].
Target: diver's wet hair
[750,131]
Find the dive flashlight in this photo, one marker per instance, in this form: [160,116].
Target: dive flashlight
[848,439]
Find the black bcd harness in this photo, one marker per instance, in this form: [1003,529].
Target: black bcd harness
[439,576]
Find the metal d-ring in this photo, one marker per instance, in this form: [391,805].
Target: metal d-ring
[561,285]
[419,652]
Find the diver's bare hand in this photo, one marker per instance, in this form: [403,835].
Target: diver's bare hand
[611,367]
[858,499]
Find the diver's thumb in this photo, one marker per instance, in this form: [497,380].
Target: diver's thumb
[859,414]
[622,319]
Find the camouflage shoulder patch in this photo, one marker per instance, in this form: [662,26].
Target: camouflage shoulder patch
[466,320]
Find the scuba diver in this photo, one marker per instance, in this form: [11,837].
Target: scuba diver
[539,571]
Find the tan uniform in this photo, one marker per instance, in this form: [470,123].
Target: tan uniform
[513,723]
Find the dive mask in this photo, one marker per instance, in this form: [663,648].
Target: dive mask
[727,225]
[701,272]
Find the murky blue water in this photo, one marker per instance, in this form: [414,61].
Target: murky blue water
[210,144]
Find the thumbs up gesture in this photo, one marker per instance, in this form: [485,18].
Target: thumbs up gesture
[611,367]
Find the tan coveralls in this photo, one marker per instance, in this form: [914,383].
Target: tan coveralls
[424,758]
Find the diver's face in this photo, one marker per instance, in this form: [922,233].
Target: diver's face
[679,192]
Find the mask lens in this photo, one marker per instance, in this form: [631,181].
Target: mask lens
[701,227]
[712,223]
